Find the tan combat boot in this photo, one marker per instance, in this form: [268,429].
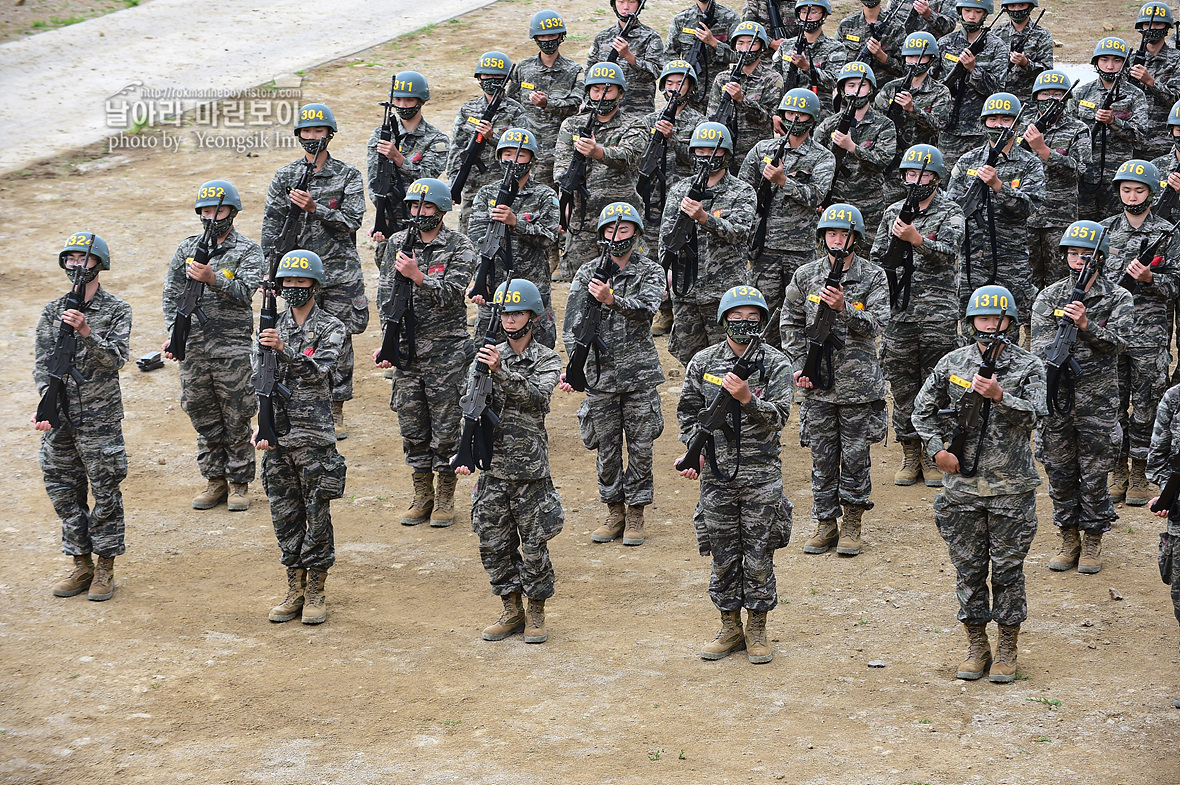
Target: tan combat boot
[1091,559]
[633,533]
[1139,490]
[931,474]
[730,637]
[423,502]
[338,420]
[102,586]
[1118,481]
[315,608]
[757,647]
[1004,668]
[292,604]
[849,543]
[511,619]
[826,534]
[239,497]
[613,526]
[1071,548]
[444,502]
[216,491]
[534,629]
[979,653]
[78,580]
[911,463]
[662,324]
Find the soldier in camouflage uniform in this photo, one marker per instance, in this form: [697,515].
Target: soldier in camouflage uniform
[842,411]
[985,75]
[1165,443]
[1030,47]
[1065,153]
[331,211]
[759,11]
[515,510]
[921,331]
[723,221]
[1078,442]
[531,229]
[549,86]
[742,517]
[426,393]
[1158,77]
[867,149]
[216,376]
[621,395]
[880,52]
[819,59]
[990,517]
[801,180]
[86,447]
[303,472]
[1115,132]
[640,54]
[712,24]
[1168,165]
[937,17]
[755,96]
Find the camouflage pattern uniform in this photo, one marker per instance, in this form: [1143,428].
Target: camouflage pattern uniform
[721,254]
[861,178]
[216,375]
[757,11]
[991,65]
[515,510]
[510,115]
[330,231]
[991,517]
[826,56]
[932,111]
[679,164]
[840,424]
[854,33]
[534,238]
[621,396]
[1165,67]
[426,397]
[90,452]
[425,150]
[944,18]
[1038,48]
[762,91]
[648,48]
[304,472]
[914,340]
[741,522]
[682,35]
[1079,449]
[1165,441]
[1096,198]
[564,88]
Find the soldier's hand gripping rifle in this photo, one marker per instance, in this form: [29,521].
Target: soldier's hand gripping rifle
[765,200]
[479,420]
[699,53]
[399,343]
[1167,497]
[632,22]
[473,152]
[874,32]
[956,82]
[897,114]
[973,412]
[822,341]
[1165,206]
[496,242]
[571,186]
[726,112]
[844,126]
[1147,254]
[680,246]
[978,206]
[587,333]
[1061,367]
[1020,40]
[652,184]
[899,255]
[792,78]
[288,238]
[1138,57]
[389,189]
[266,381]
[188,302]
[1100,134]
[55,403]
[1050,116]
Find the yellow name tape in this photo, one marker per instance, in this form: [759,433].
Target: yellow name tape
[1088,104]
[228,274]
[850,37]
[711,378]
[528,85]
[1058,312]
[959,380]
[689,30]
[813,298]
[951,57]
[473,120]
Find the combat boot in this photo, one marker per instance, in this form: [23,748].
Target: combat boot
[730,637]
[1071,548]
[216,491]
[931,474]
[102,586]
[1004,668]
[849,543]
[511,619]
[911,463]
[534,629]
[979,653]
[78,580]
[757,648]
[662,324]
[612,527]
[292,604]
[315,608]
[1138,488]
[338,420]
[1091,559]
[239,497]
[423,502]
[444,502]
[1118,481]
[826,534]
[633,533]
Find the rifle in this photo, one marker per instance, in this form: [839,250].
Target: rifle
[766,192]
[1050,117]
[479,420]
[571,186]
[55,403]
[389,189]
[401,324]
[901,253]
[1166,204]
[680,245]
[979,197]
[472,154]
[288,239]
[821,340]
[652,184]
[897,114]
[1020,40]
[1138,57]
[189,301]
[844,126]
[875,29]
[726,113]
[496,243]
[1103,130]
[266,382]
[973,411]
[792,79]
[777,29]
[698,53]
[586,335]
[632,22]
[1167,497]
[956,82]
[1062,369]
[1146,254]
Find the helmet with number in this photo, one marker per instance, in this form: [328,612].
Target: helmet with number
[923,154]
[1021,15]
[521,295]
[606,73]
[1001,105]
[1138,171]
[1051,80]
[86,242]
[990,300]
[214,191]
[493,64]
[706,135]
[856,70]
[742,295]
[800,99]
[301,264]
[1174,114]
[428,189]
[546,23]
[315,116]
[677,67]
[920,43]
[824,4]
[411,84]
[1006,3]
[1115,47]
[841,216]
[749,27]
[519,137]
[984,5]
[812,25]
[1085,234]
[1154,12]
[619,211]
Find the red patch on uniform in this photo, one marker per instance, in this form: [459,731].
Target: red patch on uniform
[757,392]
[527,216]
[417,158]
[309,351]
[723,37]
[867,143]
[333,204]
[1123,115]
[932,236]
[435,268]
[1061,150]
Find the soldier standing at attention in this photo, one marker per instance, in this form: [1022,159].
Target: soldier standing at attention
[86,447]
[640,55]
[216,375]
[1165,442]
[759,11]
[1158,77]
[756,96]
[854,32]
[712,24]
[819,58]
[1030,47]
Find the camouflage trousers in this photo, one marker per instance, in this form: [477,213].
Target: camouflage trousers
[428,413]
[840,436]
[1078,453]
[544,329]
[604,419]
[301,483]
[347,302]
[770,275]
[76,462]
[909,352]
[1143,380]
[954,147]
[515,520]
[695,328]
[983,530]
[742,526]
[218,396]
[1169,563]
[1045,257]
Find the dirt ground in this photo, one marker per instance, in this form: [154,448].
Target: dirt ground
[180,678]
[29,17]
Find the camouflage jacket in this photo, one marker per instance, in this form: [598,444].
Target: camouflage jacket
[934,285]
[1036,43]
[1110,313]
[721,239]
[612,178]
[648,48]
[1127,132]
[679,164]
[991,66]
[758,11]
[521,390]
[1165,442]
[305,366]
[682,35]
[862,172]
[1151,299]
[630,363]
[856,372]
[330,231]
[763,418]
[944,17]
[932,111]
[826,56]
[510,115]
[1167,164]
[1021,193]
[854,33]
[425,150]
[237,271]
[99,357]
[1004,449]
[564,88]
[1165,68]
[762,91]
[440,303]
[533,237]
[793,212]
[1069,156]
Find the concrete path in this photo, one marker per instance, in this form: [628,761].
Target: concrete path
[65,88]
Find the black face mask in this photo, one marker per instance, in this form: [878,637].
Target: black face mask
[407,112]
[519,169]
[813,25]
[1154,35]
[870,3]
[1137,209]
[619,248]
[220,226]
[516,335]
[859,101]
[312,146]
[800,127]
[713,163]
[921,68]
[922,191]
[742,331]
[994,134]
[604,106]
[1019,16]
[971,27]
[1105,76]
[673,97]
[296,296]
[88,276]
[551,46]
[427,223]
[1045,104]
[492,84]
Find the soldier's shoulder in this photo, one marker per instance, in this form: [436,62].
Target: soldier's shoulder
[342,168]
[458,242]
[741,188]
[106,301]
[429,130]
[327,323]
[1171,398]
[542,192]
[1110,222]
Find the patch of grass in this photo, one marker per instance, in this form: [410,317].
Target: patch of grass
[654,755]
[862,623]
[925,722]
[1130,530]
[1021,676]
[451,723]
[54,22]
[75,675]
[682,755]
[155,685]
[1050,702]
[814,591]
[1042,739]
[130,3]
